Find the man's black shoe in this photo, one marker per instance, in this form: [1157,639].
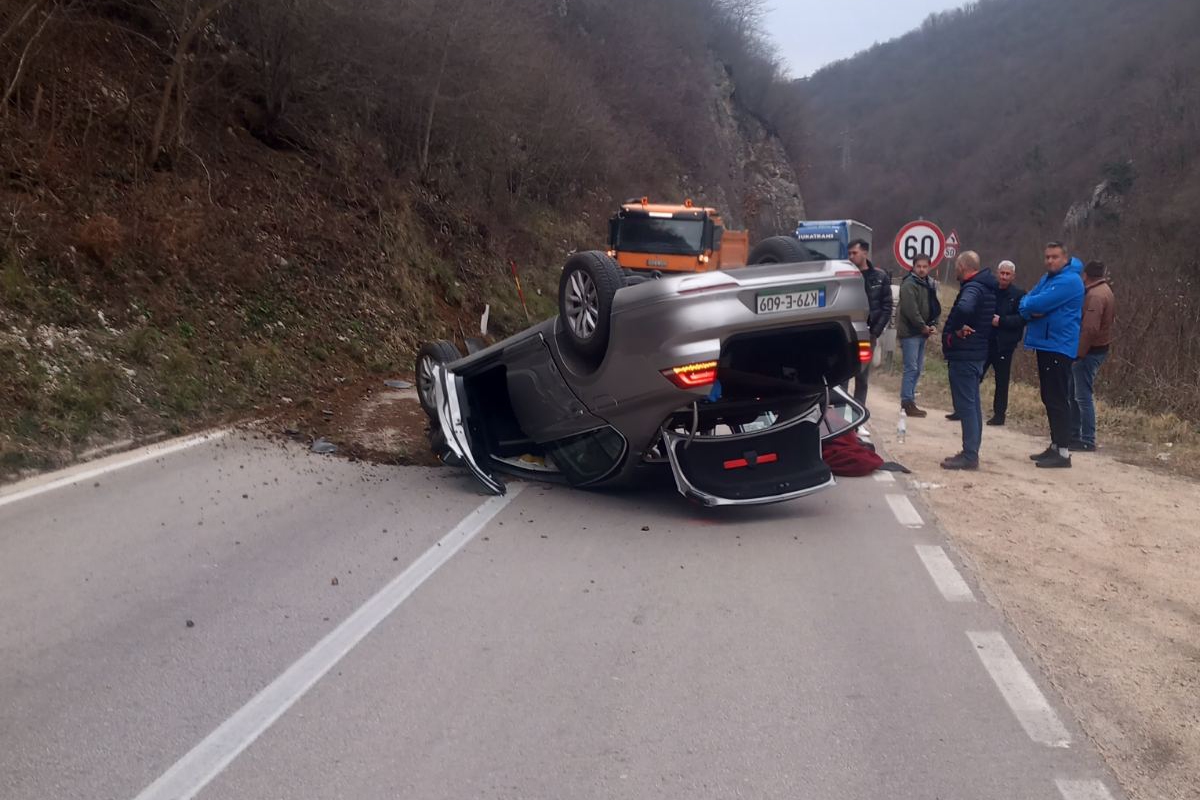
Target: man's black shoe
[954,417]
[1055,462]
[1082,447]
[1047,453]
[959,461]
[996,421]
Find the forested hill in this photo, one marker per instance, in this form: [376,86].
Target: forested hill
[209,204]
[1018,121]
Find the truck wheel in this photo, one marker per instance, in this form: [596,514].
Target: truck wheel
[589,282]
[779,250]
[437,352]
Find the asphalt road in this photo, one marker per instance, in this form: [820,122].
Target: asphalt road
[252,621]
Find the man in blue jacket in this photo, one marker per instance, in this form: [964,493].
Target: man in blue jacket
[1054,309]
[965,345]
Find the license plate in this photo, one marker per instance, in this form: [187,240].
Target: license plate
[793,300]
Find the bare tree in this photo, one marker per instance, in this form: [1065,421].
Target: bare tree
[30,11]
[194,16]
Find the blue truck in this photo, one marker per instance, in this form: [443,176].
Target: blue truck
[830,239]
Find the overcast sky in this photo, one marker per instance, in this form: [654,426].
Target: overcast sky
[812,33]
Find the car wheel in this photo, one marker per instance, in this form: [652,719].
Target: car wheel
[585,296]
[437,352]
[779,250]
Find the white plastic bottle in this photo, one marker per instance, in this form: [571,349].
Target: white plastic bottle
[902,426]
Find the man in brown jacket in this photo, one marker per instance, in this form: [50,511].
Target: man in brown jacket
[1095,339]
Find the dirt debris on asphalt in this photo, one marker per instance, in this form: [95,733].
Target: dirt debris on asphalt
[1098,567]
[365,421]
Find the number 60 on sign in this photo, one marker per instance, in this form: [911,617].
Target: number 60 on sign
[920,238]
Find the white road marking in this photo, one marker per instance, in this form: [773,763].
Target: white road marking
[883,476]
[207,759]
[84,472]
[905,513]
[945,576]
[1083,790]
[1023,696]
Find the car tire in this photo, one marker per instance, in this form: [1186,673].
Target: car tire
[586,289]
[436,352]
[779,250]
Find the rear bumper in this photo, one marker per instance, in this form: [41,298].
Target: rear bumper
[774,465]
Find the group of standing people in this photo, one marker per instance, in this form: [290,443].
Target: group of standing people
[1067,319]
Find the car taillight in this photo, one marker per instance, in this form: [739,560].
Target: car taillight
[689,376]
[846,273]
[864,352]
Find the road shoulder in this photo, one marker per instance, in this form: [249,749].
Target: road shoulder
[1096,567]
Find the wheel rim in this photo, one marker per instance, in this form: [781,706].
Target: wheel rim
[582,305]
[425,380]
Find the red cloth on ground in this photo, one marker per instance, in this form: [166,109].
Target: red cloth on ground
[848,457]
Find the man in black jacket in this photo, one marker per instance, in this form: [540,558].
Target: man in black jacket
[1007,327]
[878,285]
[965,344]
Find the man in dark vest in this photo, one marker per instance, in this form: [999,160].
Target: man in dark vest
[965,340]
[1007,327]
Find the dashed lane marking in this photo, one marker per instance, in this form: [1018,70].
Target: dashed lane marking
[1017,687]
[905,513]
[1083,790]
[945,576]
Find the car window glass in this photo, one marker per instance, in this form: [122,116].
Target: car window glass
[588,456]
[841,415]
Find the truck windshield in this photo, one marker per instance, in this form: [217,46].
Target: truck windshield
[651,235]
[824,249]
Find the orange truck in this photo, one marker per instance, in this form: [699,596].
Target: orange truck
[674,238]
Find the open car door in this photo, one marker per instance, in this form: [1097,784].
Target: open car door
[452,417]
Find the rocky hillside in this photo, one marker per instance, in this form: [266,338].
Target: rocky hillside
[210,205]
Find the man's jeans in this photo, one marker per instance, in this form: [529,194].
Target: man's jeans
[913,348]
[964,389]
[1083,407]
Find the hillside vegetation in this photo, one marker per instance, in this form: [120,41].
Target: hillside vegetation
[208,205]
[1020,121]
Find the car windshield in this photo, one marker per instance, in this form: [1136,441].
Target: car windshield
[653,235]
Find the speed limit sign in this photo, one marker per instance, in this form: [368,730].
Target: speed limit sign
[920,238]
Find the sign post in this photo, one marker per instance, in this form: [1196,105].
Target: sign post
[920,238]
[952,248]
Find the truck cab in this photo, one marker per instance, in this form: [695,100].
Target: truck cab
[668,238]
[831,238]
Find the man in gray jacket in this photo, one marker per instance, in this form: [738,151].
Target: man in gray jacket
[916,321]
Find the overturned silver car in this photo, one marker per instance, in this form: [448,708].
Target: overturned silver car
[725,380]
